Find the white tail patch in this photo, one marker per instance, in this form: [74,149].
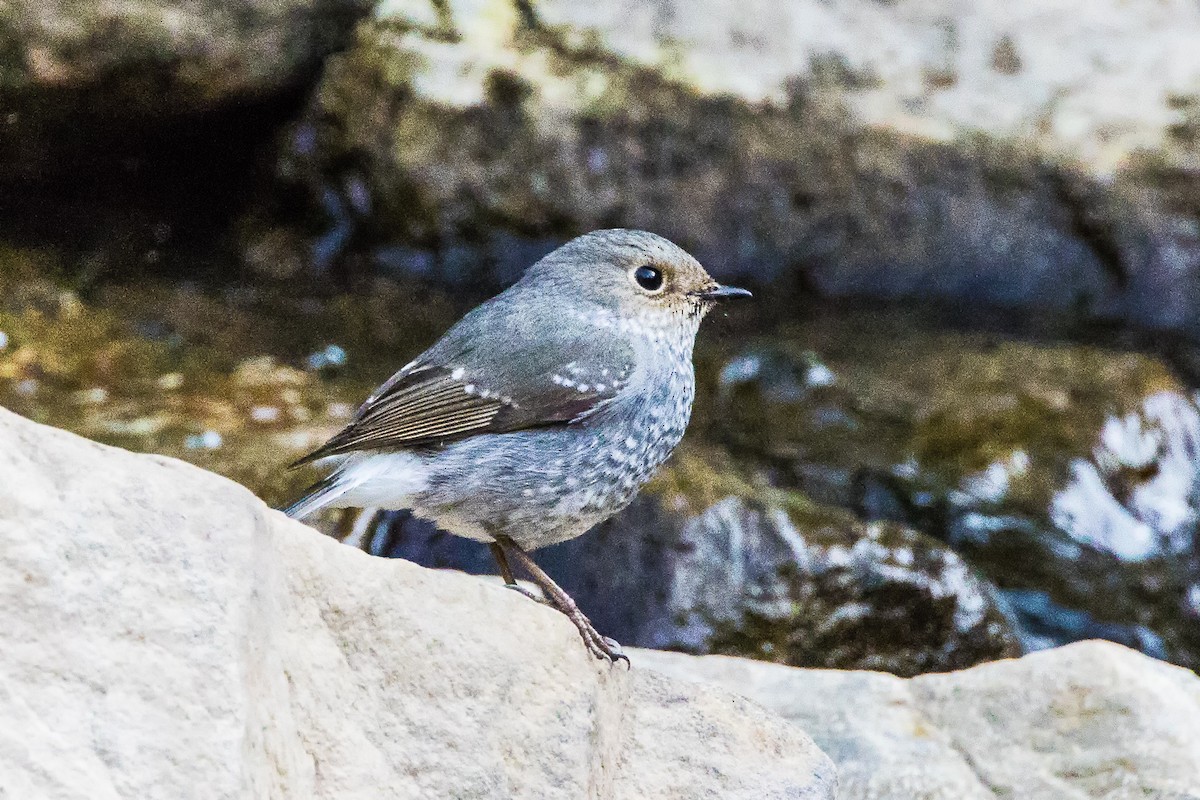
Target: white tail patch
[383,480]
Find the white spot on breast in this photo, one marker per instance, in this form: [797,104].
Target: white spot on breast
[583,387]
[457,373]
[469,388]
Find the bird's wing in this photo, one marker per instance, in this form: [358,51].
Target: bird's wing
[499,370]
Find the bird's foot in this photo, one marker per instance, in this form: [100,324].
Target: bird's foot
[597,644]
[600,646]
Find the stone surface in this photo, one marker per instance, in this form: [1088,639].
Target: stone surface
[979,157]
[166,635]
[1020,70]
[1089,720]
[707,562]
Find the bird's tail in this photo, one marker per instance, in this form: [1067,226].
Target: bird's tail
[384,480]
[317,496]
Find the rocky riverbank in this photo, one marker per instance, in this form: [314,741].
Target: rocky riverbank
[958,424]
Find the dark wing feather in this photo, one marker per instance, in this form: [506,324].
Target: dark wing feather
[500,378]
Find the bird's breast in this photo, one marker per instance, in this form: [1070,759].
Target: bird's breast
[651,420]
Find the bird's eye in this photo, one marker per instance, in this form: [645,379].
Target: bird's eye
[649,278]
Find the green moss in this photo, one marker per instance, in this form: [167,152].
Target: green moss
[25,272]
[699,475]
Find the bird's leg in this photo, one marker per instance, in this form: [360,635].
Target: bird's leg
[597,645]
[507,574]
[502,562]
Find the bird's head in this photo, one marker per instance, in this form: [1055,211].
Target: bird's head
[634,275]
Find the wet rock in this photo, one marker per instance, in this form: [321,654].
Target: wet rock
[770,148]
[173,637]
[1042,623]
[707,563]
[1087,720]
[758,581]
[1064,473]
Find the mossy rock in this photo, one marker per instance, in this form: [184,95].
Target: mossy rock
[908,399]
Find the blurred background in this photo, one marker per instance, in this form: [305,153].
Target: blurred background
[958,423]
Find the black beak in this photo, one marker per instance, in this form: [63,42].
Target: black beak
[722,292]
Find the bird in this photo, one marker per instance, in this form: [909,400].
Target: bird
[538,414]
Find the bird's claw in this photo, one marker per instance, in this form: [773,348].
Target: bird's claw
[616,653]
[601,647]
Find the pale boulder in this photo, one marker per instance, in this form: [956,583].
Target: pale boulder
[1089,720]
[166,635]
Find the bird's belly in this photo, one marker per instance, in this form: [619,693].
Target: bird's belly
[540,487]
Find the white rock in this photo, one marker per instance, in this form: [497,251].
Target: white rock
[1089,720]
[165,635]
[1089,80]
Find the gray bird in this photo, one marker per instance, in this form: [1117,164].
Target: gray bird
[541,412]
